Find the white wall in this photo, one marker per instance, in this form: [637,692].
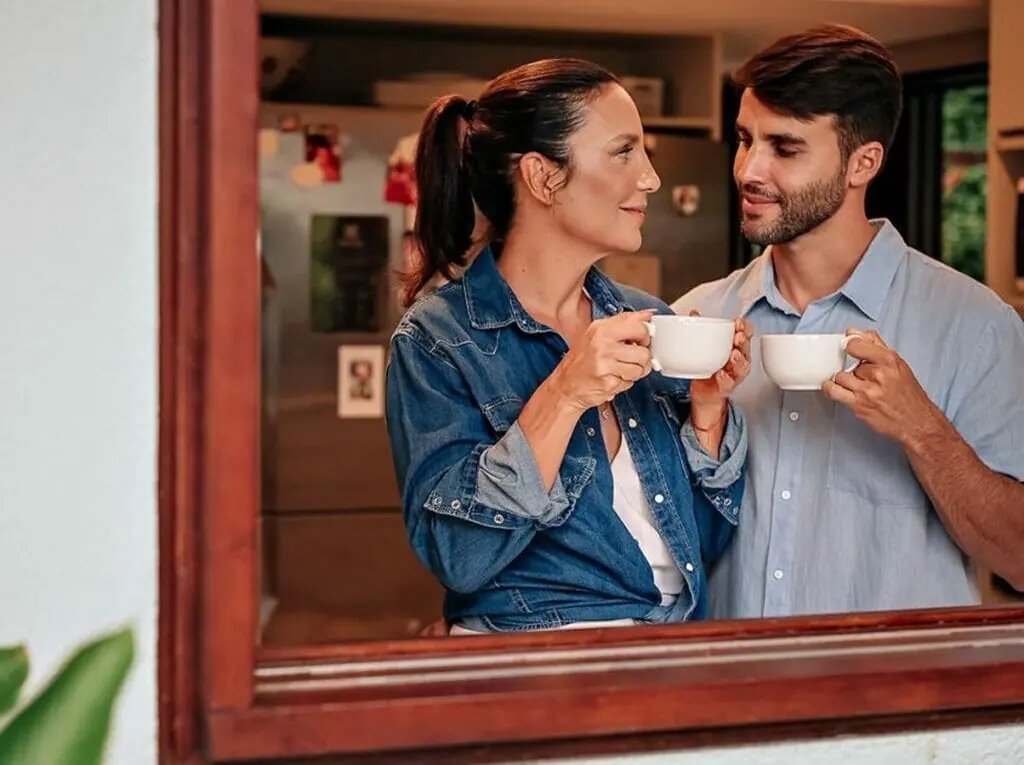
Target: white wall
[979,746]
[78,352]
[78,337]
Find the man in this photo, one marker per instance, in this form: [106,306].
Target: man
[878,492]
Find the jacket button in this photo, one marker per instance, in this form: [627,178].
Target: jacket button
[456,504]
[591,432]
[659,498]
[632,422]
[689,567]
[499,519]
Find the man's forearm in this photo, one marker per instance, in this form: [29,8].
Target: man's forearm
[982,510]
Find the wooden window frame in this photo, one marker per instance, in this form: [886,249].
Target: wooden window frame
[222,699]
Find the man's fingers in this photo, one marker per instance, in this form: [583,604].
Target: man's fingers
[839,393]
[865,349]
[850,382]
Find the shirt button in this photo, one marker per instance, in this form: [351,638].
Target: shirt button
[658,498]
[778,573]
[632,422]
[499,519]
[689,567]
[794,416]
[456,504]
[786,494]
[591,432]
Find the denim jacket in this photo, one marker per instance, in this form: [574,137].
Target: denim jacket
[463,362]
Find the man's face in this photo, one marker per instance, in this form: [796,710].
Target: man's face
[791,174]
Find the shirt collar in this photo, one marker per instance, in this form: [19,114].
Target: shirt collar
[868,285]
[492,304]
[866,288]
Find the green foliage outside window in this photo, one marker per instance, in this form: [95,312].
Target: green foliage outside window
[965,178]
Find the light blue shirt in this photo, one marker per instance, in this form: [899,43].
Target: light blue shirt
[833,519]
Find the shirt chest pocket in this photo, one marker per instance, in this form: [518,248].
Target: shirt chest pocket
[869,465]
[578,465]
[673,397]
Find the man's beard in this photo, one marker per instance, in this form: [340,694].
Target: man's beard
[798,213]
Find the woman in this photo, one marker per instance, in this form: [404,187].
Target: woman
[548,480]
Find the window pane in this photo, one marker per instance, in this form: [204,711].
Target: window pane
[964,178]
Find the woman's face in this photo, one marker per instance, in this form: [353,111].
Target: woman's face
[605,200]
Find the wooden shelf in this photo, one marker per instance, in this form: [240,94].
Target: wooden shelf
[679,123]
[668,122]
[348,57]
[1010,143]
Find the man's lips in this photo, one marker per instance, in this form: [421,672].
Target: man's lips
[755,204]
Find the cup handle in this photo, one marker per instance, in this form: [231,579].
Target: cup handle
[655,364]
[843,343]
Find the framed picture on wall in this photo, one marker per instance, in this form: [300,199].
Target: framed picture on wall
[348,263]
[360,381]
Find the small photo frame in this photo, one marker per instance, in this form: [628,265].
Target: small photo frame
[360,381]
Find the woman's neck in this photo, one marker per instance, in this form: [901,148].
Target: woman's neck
[547,274]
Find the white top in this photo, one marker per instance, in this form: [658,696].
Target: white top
[630,505]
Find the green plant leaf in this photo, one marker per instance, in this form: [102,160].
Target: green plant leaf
[69,721]
[13,671]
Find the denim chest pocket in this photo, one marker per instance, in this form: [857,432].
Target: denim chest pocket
[869,465]
[673,397]
[576,471]
[670,407]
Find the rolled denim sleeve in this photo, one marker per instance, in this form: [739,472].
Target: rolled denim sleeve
[471,502]
[720,480]
[509,478]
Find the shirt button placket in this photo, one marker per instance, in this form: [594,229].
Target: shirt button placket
[777,600]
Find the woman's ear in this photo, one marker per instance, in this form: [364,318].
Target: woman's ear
[540,176]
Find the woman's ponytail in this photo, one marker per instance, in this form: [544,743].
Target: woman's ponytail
[445,214]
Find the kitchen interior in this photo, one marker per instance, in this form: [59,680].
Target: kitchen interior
[344,86]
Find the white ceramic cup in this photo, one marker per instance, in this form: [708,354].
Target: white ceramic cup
[689,347]
[804,362]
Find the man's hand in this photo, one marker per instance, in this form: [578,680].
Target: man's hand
[883,392]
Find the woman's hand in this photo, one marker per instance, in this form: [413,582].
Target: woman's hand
[608,358]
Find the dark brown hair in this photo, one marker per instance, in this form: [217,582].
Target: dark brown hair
[831,70]
[467,154]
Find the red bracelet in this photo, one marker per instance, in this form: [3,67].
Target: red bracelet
[719,421]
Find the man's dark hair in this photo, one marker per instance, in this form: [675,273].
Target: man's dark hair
[832,70]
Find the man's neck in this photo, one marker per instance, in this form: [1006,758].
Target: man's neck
[820,262]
